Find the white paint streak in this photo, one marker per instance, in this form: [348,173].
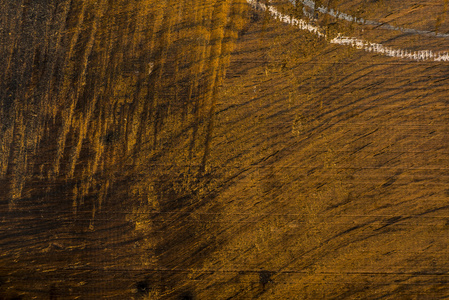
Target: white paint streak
[301,24]
[352,41]
[343,16]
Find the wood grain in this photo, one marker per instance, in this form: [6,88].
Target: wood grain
[204,150]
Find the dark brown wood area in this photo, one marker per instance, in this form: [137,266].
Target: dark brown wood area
[200,149]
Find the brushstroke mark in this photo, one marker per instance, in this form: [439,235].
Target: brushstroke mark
[357,43]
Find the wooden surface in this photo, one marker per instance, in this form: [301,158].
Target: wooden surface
[197,149]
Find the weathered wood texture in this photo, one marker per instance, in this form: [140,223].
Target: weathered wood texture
[202,150]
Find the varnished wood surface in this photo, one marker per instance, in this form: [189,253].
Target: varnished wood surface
[203,150]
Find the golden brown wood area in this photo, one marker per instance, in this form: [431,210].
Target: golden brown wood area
[204,149]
